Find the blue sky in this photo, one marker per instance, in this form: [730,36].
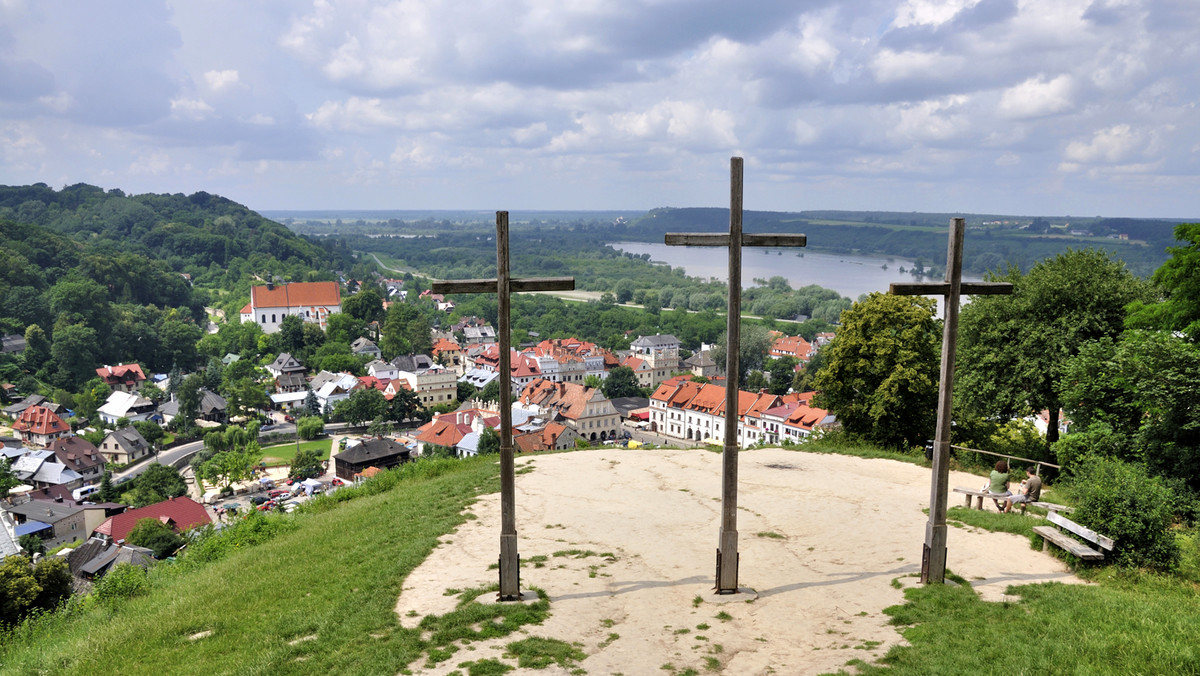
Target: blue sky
[1050,107]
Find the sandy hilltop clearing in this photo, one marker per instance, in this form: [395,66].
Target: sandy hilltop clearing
[823,539]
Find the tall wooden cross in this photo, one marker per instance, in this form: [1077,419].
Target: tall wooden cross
[503,287]
[933,556]
[727,549]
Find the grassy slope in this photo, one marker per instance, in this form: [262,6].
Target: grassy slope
[338,574]
[337,578]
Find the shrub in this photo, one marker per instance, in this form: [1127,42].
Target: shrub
[125,581]
[1122,501]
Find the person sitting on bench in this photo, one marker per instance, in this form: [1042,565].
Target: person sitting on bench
[998,484]
[1031,493]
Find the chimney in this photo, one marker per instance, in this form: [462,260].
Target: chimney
[270,286]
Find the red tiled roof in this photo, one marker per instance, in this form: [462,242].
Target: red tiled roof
[298,294]
[792,346]
[181,513]
[121,373]
[247,309]
[442,433]
[40,420]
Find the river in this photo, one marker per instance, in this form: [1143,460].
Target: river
[849,275]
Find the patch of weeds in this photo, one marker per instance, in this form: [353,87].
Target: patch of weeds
[437,655]
[555,525]
[857,663]
[712,663]
[474,621]
[538,653]
[896,583]
[608,641]
[701,637]
[469,516]
[585,553]
[723,616]
[812,549]
[697,600]
[771,534]
[524,470]
[538,561]
[862,613]
[607,623]
[685,630]
[718,648]
[488,667]
[868,645]
[449,592]
[411,613]
[702,626]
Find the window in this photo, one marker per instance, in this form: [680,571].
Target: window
[264,319]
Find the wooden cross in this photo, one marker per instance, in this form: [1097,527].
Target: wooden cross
[727,550]
[933,557]
[503,287]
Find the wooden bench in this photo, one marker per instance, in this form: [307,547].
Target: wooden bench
[1053,507]
[984,494]
[1050,534]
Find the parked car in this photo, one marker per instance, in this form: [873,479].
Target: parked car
[289,418]
[276,493]
[338,482]
[257,500]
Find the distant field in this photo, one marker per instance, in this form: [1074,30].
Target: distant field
[286,453]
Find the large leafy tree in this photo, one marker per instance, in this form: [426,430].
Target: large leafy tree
[156,536]
[1178,280]
[158,483]
[752,350]
[621,382]
[361,406]
[881,371]
[1012,349]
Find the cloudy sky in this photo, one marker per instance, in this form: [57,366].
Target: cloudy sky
[1050,107]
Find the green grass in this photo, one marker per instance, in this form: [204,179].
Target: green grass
[334,576]
[286,453]
[1129,624]
[993,521]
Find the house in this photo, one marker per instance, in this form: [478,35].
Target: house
[94,513]
[330,388]
[701,364]
[378,452]
[523,368]
[311,301]
[123,377]
[696,412]
[584,409]
[444,430]
[12,344]
[795,347]
[288,373]
[661,352]
[38,426]
[54,523]
[8,538]
[128,405]
[94,558]
[124,446]
[383,370]
[40,469]
[80,455]
[551,437]
[479,334]
[181,514]
[364,346]
[570,360]
[212,407]
[16,409]
[449,354]
[478,378]
[433,383]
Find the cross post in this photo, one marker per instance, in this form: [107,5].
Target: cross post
[933,555]
[727,548]
[503,286]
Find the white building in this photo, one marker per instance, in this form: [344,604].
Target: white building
[311,301]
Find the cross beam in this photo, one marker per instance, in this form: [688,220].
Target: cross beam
[727,549]
[933,557]
[503,286]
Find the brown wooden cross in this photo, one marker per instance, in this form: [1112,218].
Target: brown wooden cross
[503,287]
[933,556]
[727,549]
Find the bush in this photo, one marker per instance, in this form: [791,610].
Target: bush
[1122,501]
[310,427]
[125,581]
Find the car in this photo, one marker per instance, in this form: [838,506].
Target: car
[276,493]
[338,482]
[289,418]
[258,500]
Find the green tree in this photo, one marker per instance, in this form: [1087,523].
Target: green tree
[1012,349]
[491,391]
[8,480]
[310,427]
[160,482]
[54,577]
[365,306]
[1178,281]
[621,382]
[291,334]
[1122,501]
[881,371]
[74,354]
[307,465]
[18,589]
[752,350]
[151,431]
[405,406]
[246,397]
[489,441]
[32,544]
[312,407]
[37,348]
[189,401]
[156,536]
[592,380]
[362,405]
[782,370]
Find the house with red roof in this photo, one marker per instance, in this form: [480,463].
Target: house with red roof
[181,514]
[122,377]
[584,409]
[311,301]
[39,426]
[444,431]
[795,347]
[693,411]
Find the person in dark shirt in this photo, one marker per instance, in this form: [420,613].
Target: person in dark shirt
[1031,493]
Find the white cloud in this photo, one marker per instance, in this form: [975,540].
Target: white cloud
[354,114]
[1111,145]
[1037,97]
[219,80]
[934,120]
[190,109]
[929,12]
[891,66]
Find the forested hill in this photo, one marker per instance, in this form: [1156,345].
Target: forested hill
[107,277]
[992,241]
